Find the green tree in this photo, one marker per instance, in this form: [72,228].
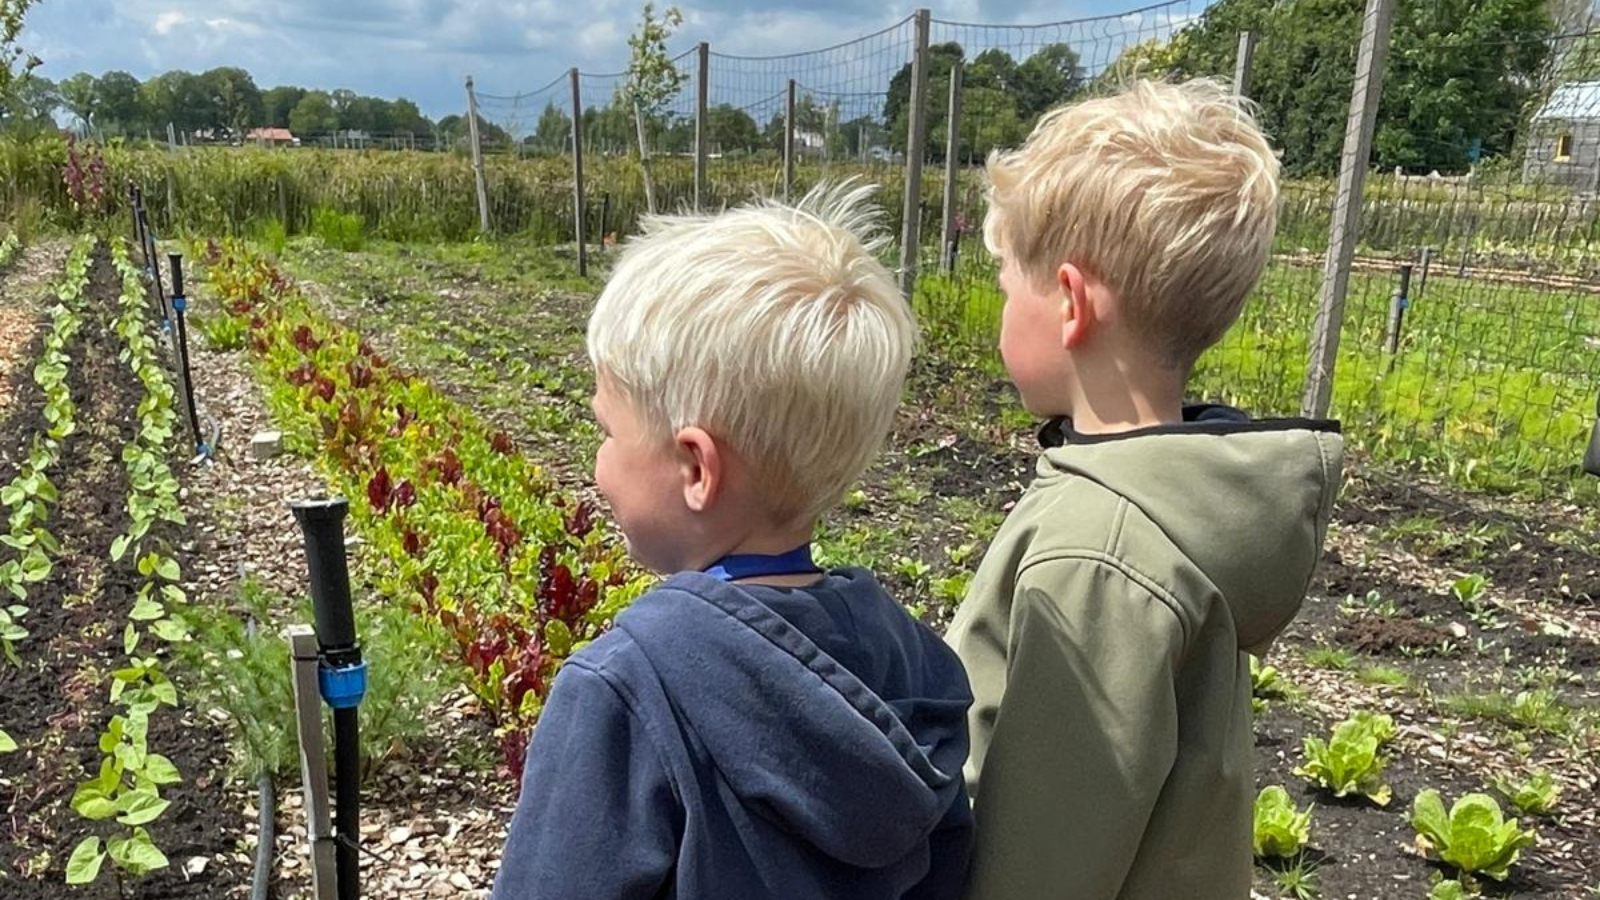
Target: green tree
[990,120]
[407,118]
[1445,105]
[235,100]
[993,68]
[314,114]
[78,96]
[1150,58]
[277,103]
[554,130]
[1046,79]
[897,104]
[729,129]
[653,79]
[118,103]
[32,102]
[15,63]
[1458,76]
[181,98]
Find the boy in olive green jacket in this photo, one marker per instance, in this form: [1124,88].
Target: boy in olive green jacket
[1105,633]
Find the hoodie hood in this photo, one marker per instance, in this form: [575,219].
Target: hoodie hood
[861,763]
[1247,501]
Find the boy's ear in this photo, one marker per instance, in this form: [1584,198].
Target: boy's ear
[702,467]
[1077,314]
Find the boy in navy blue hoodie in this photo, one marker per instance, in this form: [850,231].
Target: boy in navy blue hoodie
[752,727]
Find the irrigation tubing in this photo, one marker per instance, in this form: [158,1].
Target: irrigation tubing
[266,802]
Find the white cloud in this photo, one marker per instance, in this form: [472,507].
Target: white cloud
[167,21]
[422,48]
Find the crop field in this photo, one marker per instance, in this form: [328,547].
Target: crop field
[1448,644]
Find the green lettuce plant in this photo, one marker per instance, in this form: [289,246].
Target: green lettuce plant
[1281,830]
[1351,761]
[1535,795]
[1473,836]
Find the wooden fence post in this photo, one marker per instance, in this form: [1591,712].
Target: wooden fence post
[579,211]
[916,149]
[952,170]
[1347,207]
[477,158]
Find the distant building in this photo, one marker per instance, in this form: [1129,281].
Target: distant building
[1564,141]
[274,137]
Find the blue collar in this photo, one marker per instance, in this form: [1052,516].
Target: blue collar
[737,566]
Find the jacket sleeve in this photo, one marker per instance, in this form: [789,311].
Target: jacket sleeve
[949,854]
[1085,736]
[598,817]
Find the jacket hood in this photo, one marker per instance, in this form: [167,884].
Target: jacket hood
[861,771]
[1247,501]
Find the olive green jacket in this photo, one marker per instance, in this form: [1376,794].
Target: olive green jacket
[1104,636]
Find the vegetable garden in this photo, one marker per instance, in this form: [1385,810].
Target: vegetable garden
[1437,685]
[1429,726]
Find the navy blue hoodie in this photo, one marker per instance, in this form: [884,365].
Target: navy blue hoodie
[725,741]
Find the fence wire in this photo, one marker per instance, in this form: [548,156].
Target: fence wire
[1009,76]
[1470,344]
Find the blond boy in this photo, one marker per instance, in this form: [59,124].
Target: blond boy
[1105,633]
[753,726]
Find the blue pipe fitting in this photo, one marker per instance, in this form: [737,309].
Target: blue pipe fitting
[179,303]
[342,687]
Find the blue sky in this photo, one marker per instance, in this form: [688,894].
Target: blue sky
[422,49]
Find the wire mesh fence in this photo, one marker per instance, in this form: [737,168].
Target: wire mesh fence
[1470,342]
[1004,78]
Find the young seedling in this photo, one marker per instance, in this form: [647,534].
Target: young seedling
[1535,795]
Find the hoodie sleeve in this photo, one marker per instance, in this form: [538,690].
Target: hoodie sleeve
[1085,736]
[598,817]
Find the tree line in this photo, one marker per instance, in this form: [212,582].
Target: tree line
[1463,78]
[224,101]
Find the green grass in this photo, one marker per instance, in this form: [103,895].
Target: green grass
[1493,387]
[1541,710]
[1326,657]
[1385,676]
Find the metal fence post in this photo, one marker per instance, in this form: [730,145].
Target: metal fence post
[477,158]
[952,170]
[578,209]
[916,148]
[1422,274]
[701,126]
[1347,207]
[1242,63]
[1397,313]
[788,142]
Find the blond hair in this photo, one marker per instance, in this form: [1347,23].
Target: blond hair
[772,327]
[1167,193]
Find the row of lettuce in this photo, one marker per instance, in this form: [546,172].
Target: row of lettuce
[459,525]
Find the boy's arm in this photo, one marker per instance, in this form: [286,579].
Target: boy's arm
[1086,734]
[598,817]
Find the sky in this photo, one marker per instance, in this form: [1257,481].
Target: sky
[424,49]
